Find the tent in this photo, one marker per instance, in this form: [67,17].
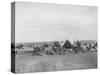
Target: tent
[67,44]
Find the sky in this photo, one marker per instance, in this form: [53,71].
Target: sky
[35,22]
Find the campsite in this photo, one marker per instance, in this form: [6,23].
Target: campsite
[52,56]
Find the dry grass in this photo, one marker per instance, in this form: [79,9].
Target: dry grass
[29,63]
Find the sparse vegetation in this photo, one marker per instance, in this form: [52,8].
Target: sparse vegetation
[51,56]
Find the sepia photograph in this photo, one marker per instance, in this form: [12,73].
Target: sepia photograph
[49,37]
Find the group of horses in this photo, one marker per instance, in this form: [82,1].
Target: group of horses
[56,48]
[47,49]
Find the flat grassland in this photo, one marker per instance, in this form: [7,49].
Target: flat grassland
[26,62]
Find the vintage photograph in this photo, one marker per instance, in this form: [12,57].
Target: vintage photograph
[53,37]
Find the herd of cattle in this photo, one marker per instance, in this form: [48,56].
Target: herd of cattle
[57,48]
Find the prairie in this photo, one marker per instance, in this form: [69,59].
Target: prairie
[26,62]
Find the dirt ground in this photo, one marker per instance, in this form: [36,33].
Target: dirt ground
[26,62]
